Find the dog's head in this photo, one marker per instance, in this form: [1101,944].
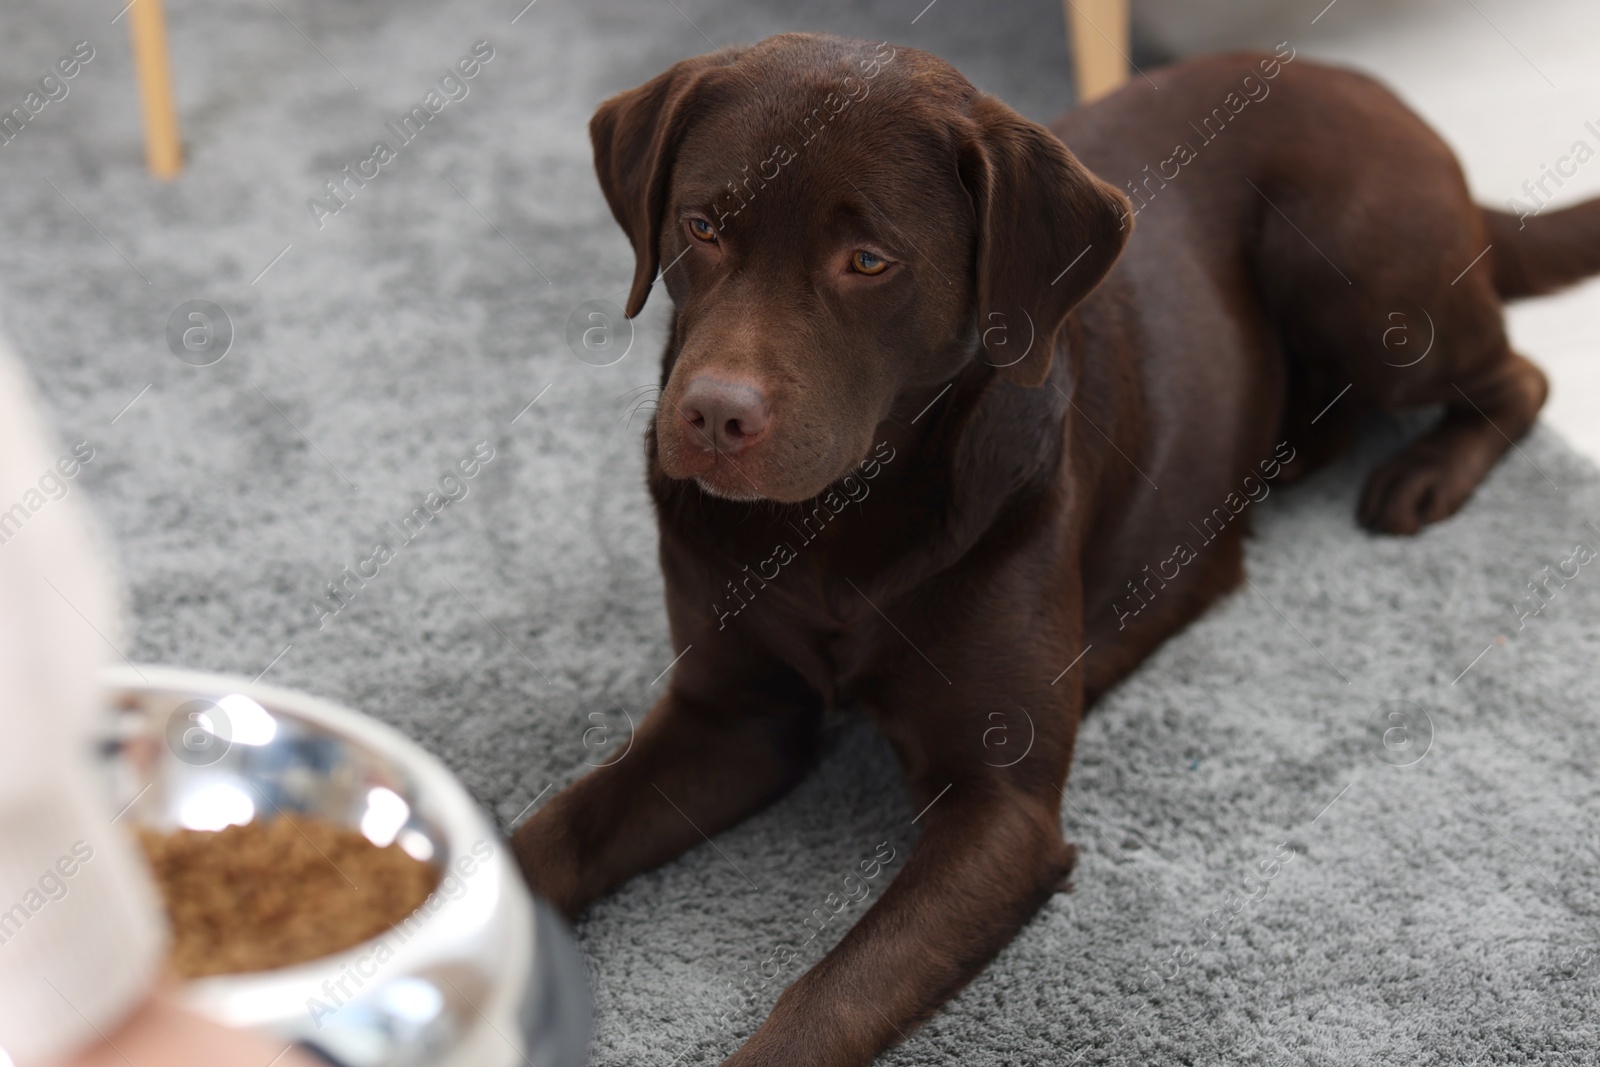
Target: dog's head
[841,224]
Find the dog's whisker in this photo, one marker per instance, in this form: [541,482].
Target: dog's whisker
[643,405]
[639,389]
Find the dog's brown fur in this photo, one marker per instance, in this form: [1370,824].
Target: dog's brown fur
[1044,425]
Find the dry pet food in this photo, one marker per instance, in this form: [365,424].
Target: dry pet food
[278,892]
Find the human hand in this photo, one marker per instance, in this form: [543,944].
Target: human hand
[162,1033]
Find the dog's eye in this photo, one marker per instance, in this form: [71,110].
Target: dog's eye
[868,263]
[702,230]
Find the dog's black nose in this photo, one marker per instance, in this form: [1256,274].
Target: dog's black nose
[726,416]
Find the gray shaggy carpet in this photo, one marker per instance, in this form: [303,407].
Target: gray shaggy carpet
[1274,868]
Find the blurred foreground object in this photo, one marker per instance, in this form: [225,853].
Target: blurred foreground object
[482,974]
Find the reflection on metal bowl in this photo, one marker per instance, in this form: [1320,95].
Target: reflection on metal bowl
[482,974]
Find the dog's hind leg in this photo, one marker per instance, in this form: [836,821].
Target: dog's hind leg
[1432,477]
[1402,320]
[1493,395]
[1490,394]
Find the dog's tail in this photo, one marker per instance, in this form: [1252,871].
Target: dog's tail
[1536,254]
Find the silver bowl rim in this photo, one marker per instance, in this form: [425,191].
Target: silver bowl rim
[460,812]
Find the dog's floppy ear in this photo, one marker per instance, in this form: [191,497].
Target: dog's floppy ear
[636,135]
[1048,231]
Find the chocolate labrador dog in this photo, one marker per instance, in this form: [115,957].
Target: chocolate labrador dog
[960,414]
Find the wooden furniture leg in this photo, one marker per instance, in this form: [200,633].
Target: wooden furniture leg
[1097,32]
[163,152]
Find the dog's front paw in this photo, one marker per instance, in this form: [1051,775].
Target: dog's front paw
[763,1054]
[1063,883]
[548,867]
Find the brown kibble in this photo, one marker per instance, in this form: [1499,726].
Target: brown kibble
[278,892]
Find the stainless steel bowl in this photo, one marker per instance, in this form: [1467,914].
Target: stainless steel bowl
[483,974]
